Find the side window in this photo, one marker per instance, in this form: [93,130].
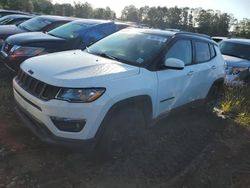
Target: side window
[182,50]
[93,35]
[202,52]
[212,51]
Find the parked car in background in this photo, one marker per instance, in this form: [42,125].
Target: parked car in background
[39,23]
[9,12]
[108,93]
[236,53]
[14,19]
[218,39]
[74,35]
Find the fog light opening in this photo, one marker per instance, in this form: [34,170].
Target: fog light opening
[68,125]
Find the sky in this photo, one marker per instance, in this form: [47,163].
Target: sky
[239,8]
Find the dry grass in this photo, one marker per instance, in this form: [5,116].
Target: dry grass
[236,104]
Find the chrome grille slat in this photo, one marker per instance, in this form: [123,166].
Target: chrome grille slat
[35,87]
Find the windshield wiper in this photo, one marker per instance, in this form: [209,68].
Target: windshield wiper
[104,55]
[24,28]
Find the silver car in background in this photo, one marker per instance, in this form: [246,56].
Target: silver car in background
[236,53]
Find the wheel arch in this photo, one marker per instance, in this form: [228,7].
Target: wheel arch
[142,102]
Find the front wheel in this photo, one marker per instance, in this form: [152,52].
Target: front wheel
[122,132]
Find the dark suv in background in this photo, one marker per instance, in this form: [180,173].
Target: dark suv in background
[9,12]
[14,19]
[74,35]
[39,23]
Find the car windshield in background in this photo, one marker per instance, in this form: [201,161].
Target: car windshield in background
[5,20]
[235,49]
[69,30]
[129,47]
[35,24]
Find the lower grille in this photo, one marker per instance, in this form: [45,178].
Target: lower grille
[35,87]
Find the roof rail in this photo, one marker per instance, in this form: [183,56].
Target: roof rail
[195,34]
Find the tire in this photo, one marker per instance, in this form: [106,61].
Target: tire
[214,95]
[247,81]
[123,132]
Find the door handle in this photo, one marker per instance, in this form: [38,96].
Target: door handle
[190,73]
[213,67]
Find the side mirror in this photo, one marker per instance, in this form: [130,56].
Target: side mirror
[174,63]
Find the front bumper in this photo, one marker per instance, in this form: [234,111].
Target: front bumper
[233,80]
[44,134]
[11,64]
[42,111]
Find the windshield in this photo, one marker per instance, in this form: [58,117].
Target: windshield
[134,48]
[235,49]
[35,24]
[69,31]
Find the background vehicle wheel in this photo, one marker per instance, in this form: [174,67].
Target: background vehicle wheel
[123,132]
[214,95]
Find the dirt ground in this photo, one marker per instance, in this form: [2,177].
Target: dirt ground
[191,149]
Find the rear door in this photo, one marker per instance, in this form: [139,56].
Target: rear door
[205,66]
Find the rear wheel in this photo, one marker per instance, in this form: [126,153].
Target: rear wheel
[214,95]
[247,81]
[122,133]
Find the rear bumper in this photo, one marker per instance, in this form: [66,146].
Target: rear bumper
[44,134]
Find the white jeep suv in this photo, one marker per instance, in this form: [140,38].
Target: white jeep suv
[116,86]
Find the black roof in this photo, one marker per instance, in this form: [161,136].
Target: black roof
[170,33]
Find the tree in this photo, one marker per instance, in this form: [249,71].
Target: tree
[130,13]
[63,9]
[101,13]
[83,10]
[174,17]
[43,6]
[24,5]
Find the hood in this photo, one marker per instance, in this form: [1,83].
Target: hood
[235,61]
[32,37]
[77,69]
[7,30]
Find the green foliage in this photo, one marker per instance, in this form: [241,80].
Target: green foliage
[130,13]
[242,28]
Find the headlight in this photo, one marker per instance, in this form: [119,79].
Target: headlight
[80,95]
[237,70]
[25,51]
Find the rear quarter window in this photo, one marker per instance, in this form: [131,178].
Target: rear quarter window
[212,51]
